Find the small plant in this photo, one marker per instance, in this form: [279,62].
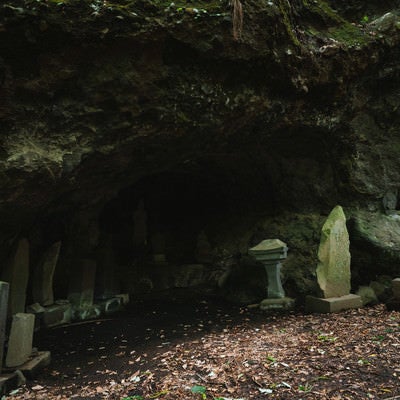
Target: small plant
[365,19]
[327,338]
[305,388]
[379,338]
[135,397]
[271,359]
[201,390]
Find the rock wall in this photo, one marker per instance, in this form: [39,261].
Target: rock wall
[107,104]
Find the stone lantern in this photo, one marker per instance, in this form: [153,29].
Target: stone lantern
[270,253]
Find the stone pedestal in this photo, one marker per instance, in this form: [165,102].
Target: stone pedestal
[20,342]
[42,285]
[16,273]
[332,304]
[33,367]
[4,288]
[284,303]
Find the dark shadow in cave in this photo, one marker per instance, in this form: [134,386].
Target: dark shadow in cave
[163,229]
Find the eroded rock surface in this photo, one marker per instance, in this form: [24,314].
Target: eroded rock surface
[110,108]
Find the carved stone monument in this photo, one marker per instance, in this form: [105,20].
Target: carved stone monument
[20,342]
[16,273]
[333,270]
[270,253]
[158,248]
[81,288]
[42,285]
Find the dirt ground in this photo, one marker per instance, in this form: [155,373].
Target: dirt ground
[207,349]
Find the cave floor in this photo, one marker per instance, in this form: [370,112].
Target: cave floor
[170,349]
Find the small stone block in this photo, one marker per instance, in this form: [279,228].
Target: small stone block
[91,312]
[124,298]
[332,304]
[8,382]
[113,305]
[35,308]
[396,288]
[159,258]
[285,303]
[32,367]
[57,314]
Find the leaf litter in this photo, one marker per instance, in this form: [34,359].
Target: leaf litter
[225,352]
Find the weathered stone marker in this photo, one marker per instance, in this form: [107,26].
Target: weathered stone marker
[107,284]
[16,273]
[270,252]
[333,270]
[158,247]
[81,285]
[4,289]
[42,285]
[396,288]
[20,342]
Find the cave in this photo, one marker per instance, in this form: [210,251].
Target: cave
[171,231]
[146,146]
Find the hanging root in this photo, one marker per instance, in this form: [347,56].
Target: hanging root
[237,19]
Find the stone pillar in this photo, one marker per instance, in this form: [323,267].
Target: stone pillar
[275,289]
[107,284]
[81,284]
[20,342]
[158,247]
[16,273]
[42,285]
[4,289]
[333,270]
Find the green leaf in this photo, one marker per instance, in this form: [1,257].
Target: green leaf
[198,389]
[135,397]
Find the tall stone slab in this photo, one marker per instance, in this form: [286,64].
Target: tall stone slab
[107,283]
[4,289]
[82,283]
[16,273]
[42,284]
[333,271]
[20,342]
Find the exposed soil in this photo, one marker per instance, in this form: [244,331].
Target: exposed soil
[165,350]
